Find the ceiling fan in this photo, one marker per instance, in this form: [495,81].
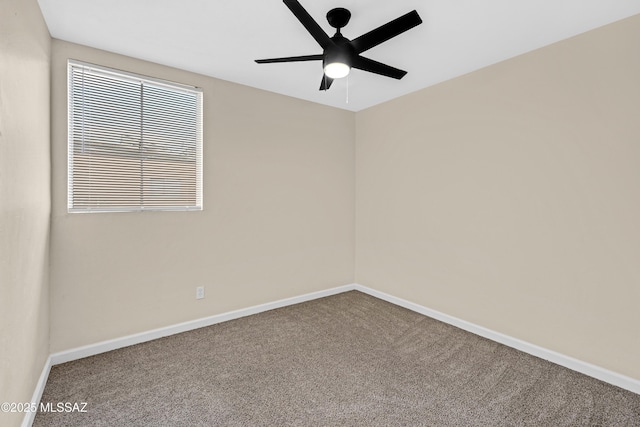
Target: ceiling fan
[341,54]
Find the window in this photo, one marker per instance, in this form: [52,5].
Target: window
[135,143]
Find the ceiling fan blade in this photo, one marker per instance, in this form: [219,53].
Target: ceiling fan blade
[290,59]
[309,23]
[366,64]
[326,82]
[386,31]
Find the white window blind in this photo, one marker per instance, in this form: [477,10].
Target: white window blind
[134,143]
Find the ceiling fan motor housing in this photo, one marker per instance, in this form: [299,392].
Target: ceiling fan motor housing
[341,51]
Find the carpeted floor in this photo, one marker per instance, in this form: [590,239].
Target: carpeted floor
[347,360]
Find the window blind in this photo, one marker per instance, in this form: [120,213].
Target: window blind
[135,143]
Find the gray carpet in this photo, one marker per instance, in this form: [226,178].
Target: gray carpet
[348,360]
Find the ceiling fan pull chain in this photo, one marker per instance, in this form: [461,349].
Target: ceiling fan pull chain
[347,88]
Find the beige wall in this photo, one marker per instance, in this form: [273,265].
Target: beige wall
[24,201]
[278,219]
[510,197]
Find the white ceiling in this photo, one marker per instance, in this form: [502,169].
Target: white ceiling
[222,38]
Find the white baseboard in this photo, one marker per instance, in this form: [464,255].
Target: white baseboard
[597,372]
[594,371]
[104,346]
[37,393]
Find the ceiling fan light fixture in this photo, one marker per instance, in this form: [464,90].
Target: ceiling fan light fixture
[337,59]
[336,70]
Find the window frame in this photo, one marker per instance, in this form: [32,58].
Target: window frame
[141,80]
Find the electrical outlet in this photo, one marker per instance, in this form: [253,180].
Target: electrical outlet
[200,292]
